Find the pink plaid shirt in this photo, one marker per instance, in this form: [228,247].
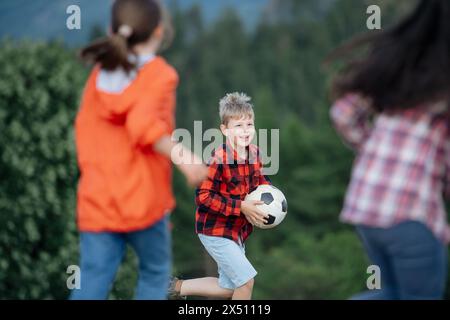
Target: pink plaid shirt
[401,171]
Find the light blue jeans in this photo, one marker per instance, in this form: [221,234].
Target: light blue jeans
[103,252]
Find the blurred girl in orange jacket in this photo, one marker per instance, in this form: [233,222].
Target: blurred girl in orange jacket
[123,130]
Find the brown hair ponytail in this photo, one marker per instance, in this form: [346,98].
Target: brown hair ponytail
[133,22]
[111,52]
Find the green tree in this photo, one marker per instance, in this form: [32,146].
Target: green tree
[39,89]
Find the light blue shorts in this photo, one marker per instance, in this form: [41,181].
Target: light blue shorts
[233,266]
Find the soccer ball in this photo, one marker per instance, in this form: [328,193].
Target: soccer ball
[275,204]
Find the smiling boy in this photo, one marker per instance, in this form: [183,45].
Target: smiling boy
[224,220]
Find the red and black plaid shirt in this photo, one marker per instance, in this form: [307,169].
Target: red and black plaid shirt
[219,197]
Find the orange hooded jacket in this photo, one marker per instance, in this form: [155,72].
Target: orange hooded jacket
[125,185]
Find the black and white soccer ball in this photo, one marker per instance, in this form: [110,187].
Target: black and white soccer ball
[275,204]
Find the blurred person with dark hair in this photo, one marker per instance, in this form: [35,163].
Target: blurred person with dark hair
[392,107]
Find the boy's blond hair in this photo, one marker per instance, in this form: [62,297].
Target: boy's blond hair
[235,106]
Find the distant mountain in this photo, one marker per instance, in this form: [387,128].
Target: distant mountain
[46,19]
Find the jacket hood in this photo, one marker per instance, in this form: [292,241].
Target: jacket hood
[116,91]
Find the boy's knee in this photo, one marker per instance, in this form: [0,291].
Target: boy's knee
[249,284]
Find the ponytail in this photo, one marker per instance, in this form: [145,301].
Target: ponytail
[132,22]
[110,53]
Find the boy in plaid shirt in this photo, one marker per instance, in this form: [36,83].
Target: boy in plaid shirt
[224,220]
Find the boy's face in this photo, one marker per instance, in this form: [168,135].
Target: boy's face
[239,131]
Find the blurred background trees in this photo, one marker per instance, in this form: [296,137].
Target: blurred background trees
[311,255]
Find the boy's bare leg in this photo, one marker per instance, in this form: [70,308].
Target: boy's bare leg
[244,292]
[204,287]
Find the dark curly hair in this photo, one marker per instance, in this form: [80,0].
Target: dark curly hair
[401,67]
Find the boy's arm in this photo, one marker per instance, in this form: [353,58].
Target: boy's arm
[263,179]
[209,197]
[351,118]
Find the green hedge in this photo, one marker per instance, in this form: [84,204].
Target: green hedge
[39,91]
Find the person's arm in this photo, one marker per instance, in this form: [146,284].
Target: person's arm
[187,162]
[149,123]
[351,116]
[151,117]
[447,161]
[263,179]
[209,197]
